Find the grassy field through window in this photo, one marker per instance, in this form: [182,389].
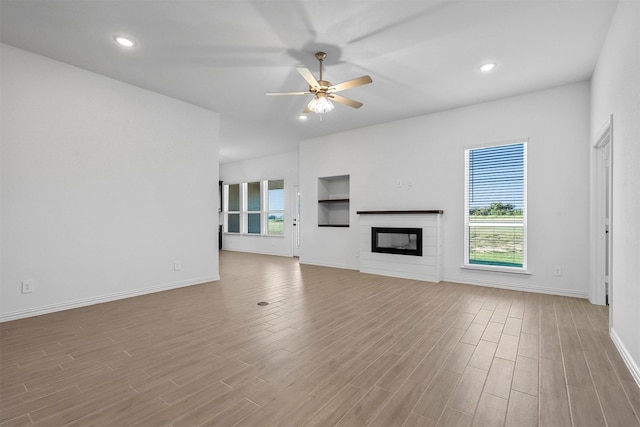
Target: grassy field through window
[276,225]
[492,241]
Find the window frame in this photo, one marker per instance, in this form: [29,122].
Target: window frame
[244,211]
[226,210]
[245,208]
[268,210]
[468,223]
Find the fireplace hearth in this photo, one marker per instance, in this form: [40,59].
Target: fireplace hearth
[399,241]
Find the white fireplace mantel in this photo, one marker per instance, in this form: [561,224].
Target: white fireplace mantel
[428,267]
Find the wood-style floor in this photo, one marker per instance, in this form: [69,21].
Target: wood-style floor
[333,347]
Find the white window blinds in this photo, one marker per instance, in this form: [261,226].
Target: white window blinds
[495,205]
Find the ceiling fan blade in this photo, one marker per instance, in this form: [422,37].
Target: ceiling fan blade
[350,83]
[306,110]
[289,93]
[345,101]
[304,72]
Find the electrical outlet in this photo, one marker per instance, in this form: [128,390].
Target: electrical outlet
[27,286]
[557,270]
[177,265]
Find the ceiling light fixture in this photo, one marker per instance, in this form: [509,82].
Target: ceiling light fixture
[488,66]
[320,104]
[124,41]
[302,117]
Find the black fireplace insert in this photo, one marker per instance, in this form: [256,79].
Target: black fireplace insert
[400,241]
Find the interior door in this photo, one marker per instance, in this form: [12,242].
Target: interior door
[604,211]
[295,209]
[607,220]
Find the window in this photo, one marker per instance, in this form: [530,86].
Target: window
[255,208]
[275,207]
[232,208]
[495,206]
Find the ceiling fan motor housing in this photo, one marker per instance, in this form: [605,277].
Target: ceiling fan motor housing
[324,86]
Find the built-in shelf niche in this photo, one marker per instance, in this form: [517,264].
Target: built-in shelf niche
[333,201]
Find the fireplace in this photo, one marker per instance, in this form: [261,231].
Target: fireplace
[400,241]
[427,262]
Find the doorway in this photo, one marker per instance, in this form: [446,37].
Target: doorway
[295,209]
[603,230]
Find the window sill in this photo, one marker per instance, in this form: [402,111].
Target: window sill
[254,235]
[496,269]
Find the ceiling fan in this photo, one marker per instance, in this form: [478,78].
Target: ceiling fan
[325,91]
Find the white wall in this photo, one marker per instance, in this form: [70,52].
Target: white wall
[103,186]
[616,91]
[280,166]
[428,153]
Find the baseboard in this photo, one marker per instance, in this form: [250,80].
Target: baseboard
[519,287]
[628,360]
[37,311]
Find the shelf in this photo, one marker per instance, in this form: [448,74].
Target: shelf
[333,201]
[414,212]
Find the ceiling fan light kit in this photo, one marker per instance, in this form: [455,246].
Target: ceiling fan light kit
[324,91]
[320,104]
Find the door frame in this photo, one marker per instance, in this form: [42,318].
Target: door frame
[603,218]
[295,223]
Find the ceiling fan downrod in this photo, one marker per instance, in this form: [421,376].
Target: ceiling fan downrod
[320,56]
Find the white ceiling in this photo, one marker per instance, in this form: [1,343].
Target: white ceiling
[423,56]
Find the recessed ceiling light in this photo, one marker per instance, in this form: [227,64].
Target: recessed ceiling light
[303,117]
[488,66]
[124,41]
